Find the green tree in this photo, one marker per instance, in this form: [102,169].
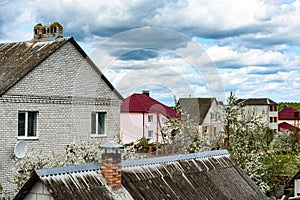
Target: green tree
[182,132]
[269,159]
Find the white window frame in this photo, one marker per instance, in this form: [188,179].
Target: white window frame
[96,133]
[150,133]
[150,118]
[25,136]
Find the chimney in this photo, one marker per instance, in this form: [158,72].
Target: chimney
[111,167]
[51,31]
[146,92]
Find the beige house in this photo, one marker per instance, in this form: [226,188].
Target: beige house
[206,113]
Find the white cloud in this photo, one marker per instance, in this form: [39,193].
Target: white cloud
[254,43]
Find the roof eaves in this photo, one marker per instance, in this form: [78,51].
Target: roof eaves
[27,187]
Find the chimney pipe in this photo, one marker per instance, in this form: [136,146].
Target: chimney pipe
[146,92]
[111,167]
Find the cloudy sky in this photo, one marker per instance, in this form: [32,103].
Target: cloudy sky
[184,48]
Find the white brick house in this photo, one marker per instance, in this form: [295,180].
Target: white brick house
[52,94]
[264,107]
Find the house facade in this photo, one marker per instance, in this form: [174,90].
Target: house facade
[51,95]
[206,114]
[264,107]
[143,117]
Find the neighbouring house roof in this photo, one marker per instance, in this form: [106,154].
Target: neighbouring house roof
[296,176]
[197,108]
[286,126]
[289,114]
[19,58]
[256,101]
[205,175]
[142,103]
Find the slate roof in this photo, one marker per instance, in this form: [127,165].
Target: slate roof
[197,108]
[289,114]
[142,103]
[19,58]
[256,101]
[205,175]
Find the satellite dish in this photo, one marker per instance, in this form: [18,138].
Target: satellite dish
[20,149]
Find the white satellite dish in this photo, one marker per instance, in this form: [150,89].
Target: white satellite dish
[20,149]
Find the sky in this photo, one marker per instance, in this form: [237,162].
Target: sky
[177,48]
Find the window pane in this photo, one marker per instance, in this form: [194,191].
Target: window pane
[93,126]
[101,123]
[150,118]
[150,134]
[21,124]
[31,124]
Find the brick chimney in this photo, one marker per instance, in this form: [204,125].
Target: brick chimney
[111,167]
[51,31]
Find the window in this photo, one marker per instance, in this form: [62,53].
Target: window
[150,134]
[205,129]
[27,124]
[150,118]
[98,123]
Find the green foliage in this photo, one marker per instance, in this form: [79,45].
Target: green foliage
[295,105]
[270,160]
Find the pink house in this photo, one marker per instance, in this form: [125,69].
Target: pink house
[143,116]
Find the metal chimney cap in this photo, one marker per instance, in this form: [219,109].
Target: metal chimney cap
[111,145]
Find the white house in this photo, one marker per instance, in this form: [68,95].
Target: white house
[51,94]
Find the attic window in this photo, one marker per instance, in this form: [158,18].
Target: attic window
[35,31]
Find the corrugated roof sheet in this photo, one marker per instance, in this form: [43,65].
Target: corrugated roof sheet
[142,103]
[205,175]
[213,177]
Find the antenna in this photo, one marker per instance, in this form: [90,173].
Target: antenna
[20,149]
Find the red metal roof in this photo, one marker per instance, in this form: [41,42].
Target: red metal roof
[142,103]
[286,126]
[289,113]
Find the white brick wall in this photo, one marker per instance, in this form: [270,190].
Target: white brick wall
[64,75]
[39,192]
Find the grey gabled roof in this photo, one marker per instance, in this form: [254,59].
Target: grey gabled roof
[205,175]
[19,58]
[197,108]
[256,101]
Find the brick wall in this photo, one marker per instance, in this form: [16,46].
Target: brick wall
[64,90]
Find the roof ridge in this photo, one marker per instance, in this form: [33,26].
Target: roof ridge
[68,169]
[166,159]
